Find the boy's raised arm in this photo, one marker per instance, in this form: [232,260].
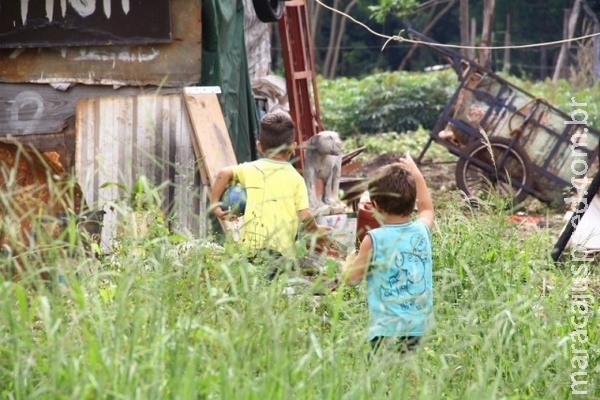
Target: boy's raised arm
[424,203]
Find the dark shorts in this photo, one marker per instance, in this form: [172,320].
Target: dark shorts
[275,262]
[402,345]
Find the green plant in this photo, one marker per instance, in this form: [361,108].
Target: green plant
[196,320]
[385,102]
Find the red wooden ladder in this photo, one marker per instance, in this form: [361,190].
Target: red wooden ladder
[301,82]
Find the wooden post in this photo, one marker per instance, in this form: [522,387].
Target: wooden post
[596,59]
[506,61]
[485,55]
[543,63]
[568,34]
[464,29]
[473,35]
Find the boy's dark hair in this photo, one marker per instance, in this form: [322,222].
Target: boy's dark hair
[276,132]
[394,190]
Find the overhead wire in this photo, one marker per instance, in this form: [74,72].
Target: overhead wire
[453,46]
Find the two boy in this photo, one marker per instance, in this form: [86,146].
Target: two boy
[395,258]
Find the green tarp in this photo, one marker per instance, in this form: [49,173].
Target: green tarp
[224,64]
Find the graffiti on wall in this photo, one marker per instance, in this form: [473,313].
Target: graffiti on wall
[29,23]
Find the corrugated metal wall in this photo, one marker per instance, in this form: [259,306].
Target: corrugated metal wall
[120,138]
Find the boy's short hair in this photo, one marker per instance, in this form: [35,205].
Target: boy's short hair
[394,189]
[276,132]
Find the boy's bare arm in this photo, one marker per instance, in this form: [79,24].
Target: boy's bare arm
[309,223]
[355,267]
[222,180]
[424,203]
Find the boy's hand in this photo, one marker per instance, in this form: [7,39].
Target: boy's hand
[224,215]
[323,229]
[408,163]
[349,260]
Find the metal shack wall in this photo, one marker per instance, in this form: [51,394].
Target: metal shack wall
[120,138]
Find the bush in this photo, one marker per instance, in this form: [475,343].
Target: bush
[403,101]
[385,102]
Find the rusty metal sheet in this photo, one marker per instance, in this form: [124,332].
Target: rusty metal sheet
[120,138]
[27,109]
[33,186]
[84,23]
[175,64]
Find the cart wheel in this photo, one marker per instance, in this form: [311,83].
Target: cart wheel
[268,10]
[482,173]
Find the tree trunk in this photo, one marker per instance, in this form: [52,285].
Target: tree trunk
[432,20]
[543,63]
[506,60]
[485,55]
[338,42]
[335,20]
[562,56]
[464,28]
[473,35]
[314,12]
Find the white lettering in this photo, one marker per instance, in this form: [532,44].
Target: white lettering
[89,54]
[107,8]
[84,8]
[24,99]
[581,335]
[577,140]
[582,362]
[574,169]
[50,10]
[24,8]
[575,382]
[574,202]
[579,326]
[579,306]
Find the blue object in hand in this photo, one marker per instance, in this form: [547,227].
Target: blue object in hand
[234,199]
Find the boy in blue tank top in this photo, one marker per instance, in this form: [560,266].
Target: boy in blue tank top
[395,258]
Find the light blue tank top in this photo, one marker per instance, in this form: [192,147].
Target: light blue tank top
[399,280]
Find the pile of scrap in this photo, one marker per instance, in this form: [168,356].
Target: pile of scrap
[37,201]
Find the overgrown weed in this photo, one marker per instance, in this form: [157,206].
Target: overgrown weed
[193,319]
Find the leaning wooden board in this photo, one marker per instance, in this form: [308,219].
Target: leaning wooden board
[212,143]
[119,138]
[210,138]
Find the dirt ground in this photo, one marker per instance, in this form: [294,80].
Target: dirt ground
[440,176]
[532,216]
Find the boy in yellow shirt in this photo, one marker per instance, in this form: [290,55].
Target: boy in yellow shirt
[277,198]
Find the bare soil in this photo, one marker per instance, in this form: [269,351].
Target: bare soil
[440,176]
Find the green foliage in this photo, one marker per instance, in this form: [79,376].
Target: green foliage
[412,142]
[384,8]
[404,101]
[385,102]
[196,320]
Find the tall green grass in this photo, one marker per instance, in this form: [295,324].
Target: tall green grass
[196,320]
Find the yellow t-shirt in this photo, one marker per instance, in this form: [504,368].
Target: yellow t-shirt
[275,193]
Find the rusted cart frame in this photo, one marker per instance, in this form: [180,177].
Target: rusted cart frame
[546,141]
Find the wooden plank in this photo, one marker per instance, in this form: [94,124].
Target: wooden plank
[119,138]
[173,64]
[27,109]
[211,138]
[77,23]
